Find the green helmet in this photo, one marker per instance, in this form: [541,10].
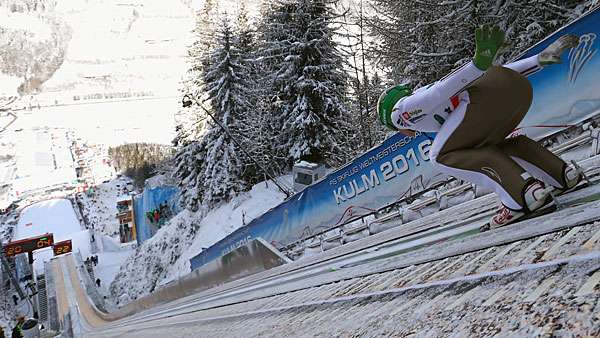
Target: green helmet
[388,100]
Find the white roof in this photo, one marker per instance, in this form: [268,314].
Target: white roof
[304,164]
[4,203]
[124,198]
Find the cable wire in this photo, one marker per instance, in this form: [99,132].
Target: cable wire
[271,177]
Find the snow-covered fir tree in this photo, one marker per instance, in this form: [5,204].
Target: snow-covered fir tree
[419,42]
[204,36]
[244,33]
[190,119]
[269,45]
[252,130]
[311,84]
[226,89]
[189,165]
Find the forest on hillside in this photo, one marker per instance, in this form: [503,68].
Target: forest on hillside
[33,41]
[139,160]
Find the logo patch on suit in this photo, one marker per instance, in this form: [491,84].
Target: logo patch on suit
[439,119]
[413,116]
[402,123]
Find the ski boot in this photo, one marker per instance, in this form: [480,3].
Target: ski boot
[538,199]
[551,54]
[573,175]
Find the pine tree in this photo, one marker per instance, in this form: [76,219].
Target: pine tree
[189,165]
[244,33]
[419,42]
[312,86]
[189,119]
[224,163]
[271,43]
[204,34]
[253,126]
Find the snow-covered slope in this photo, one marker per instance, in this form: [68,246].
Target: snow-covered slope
[54,216]
[224,220]
[100,208]
[123,45]
[166,255]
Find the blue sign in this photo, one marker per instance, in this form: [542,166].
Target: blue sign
[396,169]
[566,94]
[149,201]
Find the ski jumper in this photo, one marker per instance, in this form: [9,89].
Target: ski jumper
[473,111]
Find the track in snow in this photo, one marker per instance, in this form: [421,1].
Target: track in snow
[542,278]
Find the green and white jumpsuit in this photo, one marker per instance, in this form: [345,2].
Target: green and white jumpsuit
[473,112]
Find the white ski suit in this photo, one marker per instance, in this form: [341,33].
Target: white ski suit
[473,112]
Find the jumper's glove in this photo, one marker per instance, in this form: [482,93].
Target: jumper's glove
[487,42]
[552,53]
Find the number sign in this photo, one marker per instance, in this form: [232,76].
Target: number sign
[62,247]
[28,245]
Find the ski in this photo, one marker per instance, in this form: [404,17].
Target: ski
[568,199]
[537,213]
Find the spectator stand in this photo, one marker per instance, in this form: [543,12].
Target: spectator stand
[153,209]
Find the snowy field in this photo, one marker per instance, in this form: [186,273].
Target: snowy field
[54,216]
[43,160]
[123,45]
[109,123]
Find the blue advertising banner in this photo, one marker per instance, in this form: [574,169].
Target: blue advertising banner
[152,209]
[563,95]
[566,94]
[387,173]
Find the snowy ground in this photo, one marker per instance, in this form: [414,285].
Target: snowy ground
[35,164]
[166,255]
[94,161]
[109,123]
[108,266]
[100,208]
[43,159]
[121,46]
[54,216]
